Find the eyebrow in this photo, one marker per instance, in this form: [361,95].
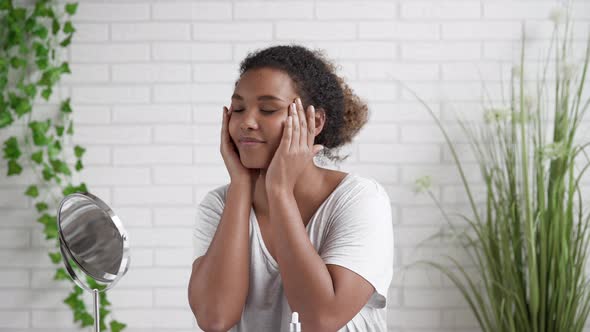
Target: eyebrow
[265,97]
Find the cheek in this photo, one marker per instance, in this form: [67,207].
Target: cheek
[233,128]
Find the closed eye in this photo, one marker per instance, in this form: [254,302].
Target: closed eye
[265,111]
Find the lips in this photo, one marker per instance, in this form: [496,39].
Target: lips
[250,140]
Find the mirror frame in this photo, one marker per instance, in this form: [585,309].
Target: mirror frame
[67,254]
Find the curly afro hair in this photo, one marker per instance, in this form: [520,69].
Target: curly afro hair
[317,83]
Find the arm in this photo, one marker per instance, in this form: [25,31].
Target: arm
[326,296]
[218,285]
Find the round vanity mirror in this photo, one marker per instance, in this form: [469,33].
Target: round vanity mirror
[93,243]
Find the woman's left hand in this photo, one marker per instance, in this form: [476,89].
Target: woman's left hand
[295,151]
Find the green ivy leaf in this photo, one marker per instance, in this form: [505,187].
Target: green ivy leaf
[55,26]
[53,150]
[71,8]
[103,299]
[69,189]
[60,167]
[40,9]
[32,191]
[50,230]
[11,150]
[40,50]
[117,326]
[42,63]
[5,4]
[30,23]
[69,27]
[19,14]
[41,207]
[17,62]
[61,274]
[40,128]
[65,106]
[30,90]
[87,319]
[66,42]
[70,130]
[5,118]
[41,32]
[50,77]
[79,165]
[46,93]
[37,157]
[55,257]
[59,130]
[74,302]
[46,219]
[48,173]
[79,151]
[23,107]
[14,168]
[65,68]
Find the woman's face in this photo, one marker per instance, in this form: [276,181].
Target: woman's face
[260,106]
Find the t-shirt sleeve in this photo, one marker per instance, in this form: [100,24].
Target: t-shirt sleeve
[209,214]
[360,238]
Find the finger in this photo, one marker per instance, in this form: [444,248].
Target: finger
[224,123]
[302,123]
[295,127]
[287,133]
[311,126]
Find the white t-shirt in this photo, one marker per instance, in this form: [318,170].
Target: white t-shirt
[351,228]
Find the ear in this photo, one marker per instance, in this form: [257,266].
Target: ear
[320,120]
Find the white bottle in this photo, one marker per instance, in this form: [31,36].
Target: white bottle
[295,326]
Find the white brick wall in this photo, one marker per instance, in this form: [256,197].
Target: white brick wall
[149,81]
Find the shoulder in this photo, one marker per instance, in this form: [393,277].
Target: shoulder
[362,188]
[360,197]
[215,198]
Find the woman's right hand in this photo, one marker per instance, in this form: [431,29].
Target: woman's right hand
[237,171]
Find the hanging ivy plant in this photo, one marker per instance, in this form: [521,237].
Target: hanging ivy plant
[31,40]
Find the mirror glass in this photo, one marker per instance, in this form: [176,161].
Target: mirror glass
[93,237]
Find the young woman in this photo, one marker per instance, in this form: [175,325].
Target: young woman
[286,235]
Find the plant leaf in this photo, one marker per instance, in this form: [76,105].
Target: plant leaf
[46,218]
[11,150]
[79,151]
[14,168]
[71,8]
[117,326]
[68,27]
[37,157]
[41,207]
[66,42]
[46,93]
[5,118]
[61,274]
[32,191]
[55,257]
[60,167]
[65,106]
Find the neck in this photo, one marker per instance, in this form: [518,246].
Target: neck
[304,187]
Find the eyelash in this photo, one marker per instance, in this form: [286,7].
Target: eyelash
[267,112]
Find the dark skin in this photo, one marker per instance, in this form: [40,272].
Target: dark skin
[285,188]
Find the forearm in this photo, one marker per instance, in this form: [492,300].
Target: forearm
[306,280]
[219,282]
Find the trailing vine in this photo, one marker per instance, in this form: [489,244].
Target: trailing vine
[31,38]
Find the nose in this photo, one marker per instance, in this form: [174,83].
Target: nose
[249,120]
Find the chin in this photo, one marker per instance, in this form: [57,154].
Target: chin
[254,163]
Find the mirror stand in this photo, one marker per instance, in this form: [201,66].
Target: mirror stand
[93,244]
